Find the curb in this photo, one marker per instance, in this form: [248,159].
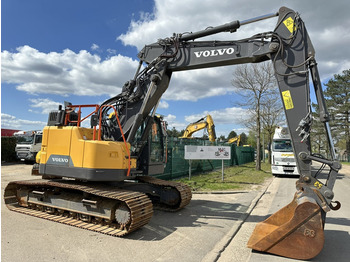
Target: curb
[220,192]
[215,253]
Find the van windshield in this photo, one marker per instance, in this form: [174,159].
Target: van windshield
[282,146]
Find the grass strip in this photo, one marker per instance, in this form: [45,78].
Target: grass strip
[236,178]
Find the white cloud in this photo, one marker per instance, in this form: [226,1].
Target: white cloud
[94,47]
[66,73]
[111,51]
[172,122]
[231,116]
[11,122]
[197,84]
[163,104]
[195,15]
[86,74]
[327,25]
[225,120]
[44,104]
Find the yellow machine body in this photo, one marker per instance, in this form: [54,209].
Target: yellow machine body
[71,151]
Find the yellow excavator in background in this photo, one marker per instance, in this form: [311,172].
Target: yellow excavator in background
[236,139]
[102,178]
[205,122]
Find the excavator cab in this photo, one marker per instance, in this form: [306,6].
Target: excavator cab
[153,156]
[130,142]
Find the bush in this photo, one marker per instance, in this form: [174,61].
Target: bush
[8,146]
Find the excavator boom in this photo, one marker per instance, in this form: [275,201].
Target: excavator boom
[130,141]
[205,122]
[236,139]
[292,54]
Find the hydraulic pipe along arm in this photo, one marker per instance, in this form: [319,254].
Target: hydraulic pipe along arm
[292,54]
[295,231]
[229,27]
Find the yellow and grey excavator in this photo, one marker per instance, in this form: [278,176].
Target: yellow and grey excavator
[236,139]
[101,178]
[205,122]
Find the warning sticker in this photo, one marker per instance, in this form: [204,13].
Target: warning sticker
[289,23]
[287,99]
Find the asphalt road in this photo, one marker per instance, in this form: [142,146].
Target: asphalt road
[196,233]
[213,227]
[279,194]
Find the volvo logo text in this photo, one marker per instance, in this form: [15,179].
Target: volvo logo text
[215,52]
[61,160]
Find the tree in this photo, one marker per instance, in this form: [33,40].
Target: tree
[255,83]
[174,133]
[244,139]
[337,95]
[232,134]
[251,139]
[272,116]
[221,138]
[319,143]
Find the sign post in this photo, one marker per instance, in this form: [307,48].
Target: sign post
[222,170]
[207,152]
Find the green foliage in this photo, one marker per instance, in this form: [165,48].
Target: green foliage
[235,178]
[337,95]
[318,135]
[8,145]
[244,139]
[205,136]
[221,138]
[232,134]
[174,132]
[251,140]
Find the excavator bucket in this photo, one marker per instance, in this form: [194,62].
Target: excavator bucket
[295,231]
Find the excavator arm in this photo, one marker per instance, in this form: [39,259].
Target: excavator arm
[205,122]
[130,140]
[236,139]
[292,54]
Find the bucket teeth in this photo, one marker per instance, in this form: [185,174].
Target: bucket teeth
[295,231]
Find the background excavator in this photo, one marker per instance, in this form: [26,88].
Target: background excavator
[236,139]
[100,178]
[205,122]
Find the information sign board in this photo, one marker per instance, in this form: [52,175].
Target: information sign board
[207,152]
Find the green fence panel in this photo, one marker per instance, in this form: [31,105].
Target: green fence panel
[244,155]
[177,166]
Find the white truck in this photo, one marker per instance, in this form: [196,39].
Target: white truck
[283,161]
[28,144]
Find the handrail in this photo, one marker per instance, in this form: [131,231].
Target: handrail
[97,108]
[79,116]
[121,131]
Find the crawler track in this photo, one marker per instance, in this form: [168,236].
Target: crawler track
[184,192]
[139,205]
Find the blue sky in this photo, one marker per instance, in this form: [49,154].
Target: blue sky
[83,51]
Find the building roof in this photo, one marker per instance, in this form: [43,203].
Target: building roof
[8,132]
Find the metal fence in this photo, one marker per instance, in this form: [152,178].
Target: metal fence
[177,166]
